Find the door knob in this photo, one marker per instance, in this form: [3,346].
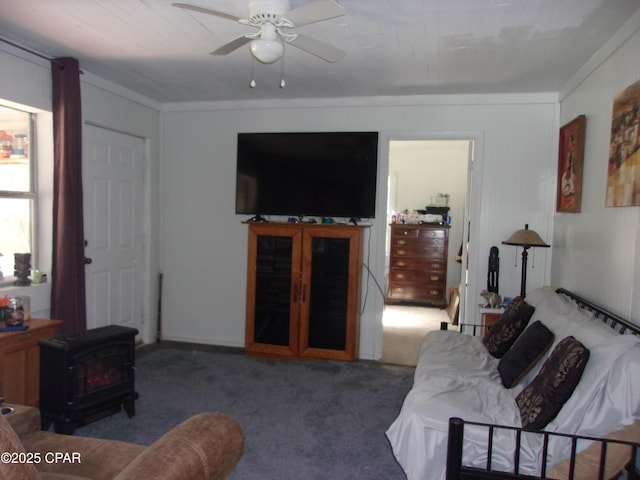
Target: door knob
[88,260]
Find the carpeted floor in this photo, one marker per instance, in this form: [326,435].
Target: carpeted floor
[302,419]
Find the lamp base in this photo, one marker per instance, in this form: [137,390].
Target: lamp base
[523,280]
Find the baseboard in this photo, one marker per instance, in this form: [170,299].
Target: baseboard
[203,341]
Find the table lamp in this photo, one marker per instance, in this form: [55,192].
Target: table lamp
[526,239]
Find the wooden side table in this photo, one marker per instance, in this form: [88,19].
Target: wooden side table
[490,316]
[20,361]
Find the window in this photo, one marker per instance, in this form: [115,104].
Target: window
[17,188]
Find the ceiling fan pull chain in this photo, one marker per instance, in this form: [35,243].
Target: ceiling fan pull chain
[252,83]
[282,84]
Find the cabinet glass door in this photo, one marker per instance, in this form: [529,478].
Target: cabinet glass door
[331,264]
[273,290]
[329,293]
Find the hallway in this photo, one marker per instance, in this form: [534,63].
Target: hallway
[403,330]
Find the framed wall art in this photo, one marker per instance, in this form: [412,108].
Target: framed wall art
[623,174]
[570,163]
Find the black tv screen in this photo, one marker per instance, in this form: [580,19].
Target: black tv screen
[328,174]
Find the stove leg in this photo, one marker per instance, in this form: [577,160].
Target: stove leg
[130,407]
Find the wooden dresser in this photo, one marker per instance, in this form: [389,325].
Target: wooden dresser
[20,361]
[418,264]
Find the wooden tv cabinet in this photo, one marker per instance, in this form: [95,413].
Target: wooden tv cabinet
[303,290]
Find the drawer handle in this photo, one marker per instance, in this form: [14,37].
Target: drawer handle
[401,252]
[435,277]
[402,242]
[434,292]
[400,264]
[434,265]
[405,232]
[400,275]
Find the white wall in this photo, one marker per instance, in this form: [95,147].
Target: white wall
[25,79]
[597,251]
[204,242]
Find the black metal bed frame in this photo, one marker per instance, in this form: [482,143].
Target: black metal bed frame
[457,471]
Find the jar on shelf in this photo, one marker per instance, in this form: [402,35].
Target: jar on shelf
[26,306]
[14,314]
[19,145]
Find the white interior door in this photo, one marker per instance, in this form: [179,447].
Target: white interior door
[113,188]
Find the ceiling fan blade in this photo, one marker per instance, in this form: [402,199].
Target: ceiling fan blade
[208,11]
[232,45]
[314,12]
[319,49]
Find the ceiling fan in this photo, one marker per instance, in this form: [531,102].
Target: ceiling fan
[272,18]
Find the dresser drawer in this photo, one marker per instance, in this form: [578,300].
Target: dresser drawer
[418,232]
[418,264]
[426,242]
[417,277]
[411,293]
[418,251]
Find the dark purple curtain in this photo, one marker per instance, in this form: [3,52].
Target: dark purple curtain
[68,296]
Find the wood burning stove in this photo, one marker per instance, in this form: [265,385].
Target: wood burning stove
[87,376]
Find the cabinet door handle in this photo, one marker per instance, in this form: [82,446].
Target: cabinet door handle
[304,293]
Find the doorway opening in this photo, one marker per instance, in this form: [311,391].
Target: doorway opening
[424,173]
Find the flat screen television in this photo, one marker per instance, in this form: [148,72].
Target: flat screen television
[326,174]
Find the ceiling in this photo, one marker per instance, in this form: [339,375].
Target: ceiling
[393,47]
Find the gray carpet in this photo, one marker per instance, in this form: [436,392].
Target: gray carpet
[302,420]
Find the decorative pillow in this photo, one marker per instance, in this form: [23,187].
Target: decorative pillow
[542,399]
[504,332]
[525,353]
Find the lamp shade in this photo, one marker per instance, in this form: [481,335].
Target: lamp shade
[525,238]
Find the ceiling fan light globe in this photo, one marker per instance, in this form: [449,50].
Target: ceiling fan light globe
[266,51]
